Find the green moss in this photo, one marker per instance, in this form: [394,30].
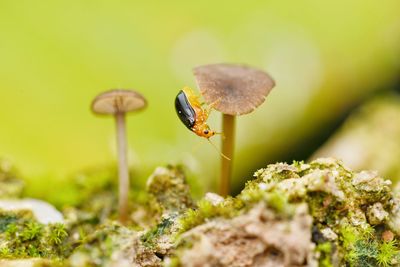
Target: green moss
[388,251]
[24,237]
[205,210]
[57,233]
[191,218]
[150,237]
[337,198]
[252,192]
[275,173]
[173,262]
[32,231]
[97,247]
[169,188]
[364,248]
[7,219]
[364,253]
[325,257]
[279,203]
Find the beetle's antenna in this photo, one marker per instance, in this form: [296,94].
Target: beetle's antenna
[221,133]
[216,148]
[196,147]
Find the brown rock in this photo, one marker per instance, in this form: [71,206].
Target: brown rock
[257,238]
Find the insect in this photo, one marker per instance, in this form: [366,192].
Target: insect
[193,115]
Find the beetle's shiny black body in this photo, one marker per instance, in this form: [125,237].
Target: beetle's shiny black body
[184,110]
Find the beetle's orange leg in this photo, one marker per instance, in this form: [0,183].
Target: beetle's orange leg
[211,106]
[194,100]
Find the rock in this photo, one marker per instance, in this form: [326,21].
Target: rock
[213,198]
[33,262]
[110,245]
[169,188]
[376,214]
[315,214]
[345,207]
[256,238]
[387,236]
[329,234]
[369,138]
[44,212]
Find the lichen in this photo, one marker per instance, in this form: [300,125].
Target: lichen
[169,188]
[109,245]
[350,212]
[354,206]
[258,237]
[348,218]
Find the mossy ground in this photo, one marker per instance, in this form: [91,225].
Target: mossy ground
[22,236]
[354,218]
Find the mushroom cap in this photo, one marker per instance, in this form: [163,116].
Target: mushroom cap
[118,101]
[233,89]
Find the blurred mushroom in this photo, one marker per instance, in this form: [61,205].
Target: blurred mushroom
[234,90]
[118,102]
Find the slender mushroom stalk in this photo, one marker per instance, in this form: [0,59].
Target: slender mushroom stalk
[123,169]
[236,90]
[118,103]
[228,147]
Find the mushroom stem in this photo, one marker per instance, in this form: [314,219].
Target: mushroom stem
[123,171]
[228,140]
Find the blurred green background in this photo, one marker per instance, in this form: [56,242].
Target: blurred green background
[55,56]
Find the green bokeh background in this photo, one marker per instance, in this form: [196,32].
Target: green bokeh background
[55,56]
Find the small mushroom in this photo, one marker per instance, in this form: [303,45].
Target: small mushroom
[118,102]
[233,90]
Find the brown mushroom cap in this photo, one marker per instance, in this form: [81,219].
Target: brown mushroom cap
[234,89]
[118,101]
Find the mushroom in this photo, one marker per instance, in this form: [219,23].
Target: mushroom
[233,90]
[118,102]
